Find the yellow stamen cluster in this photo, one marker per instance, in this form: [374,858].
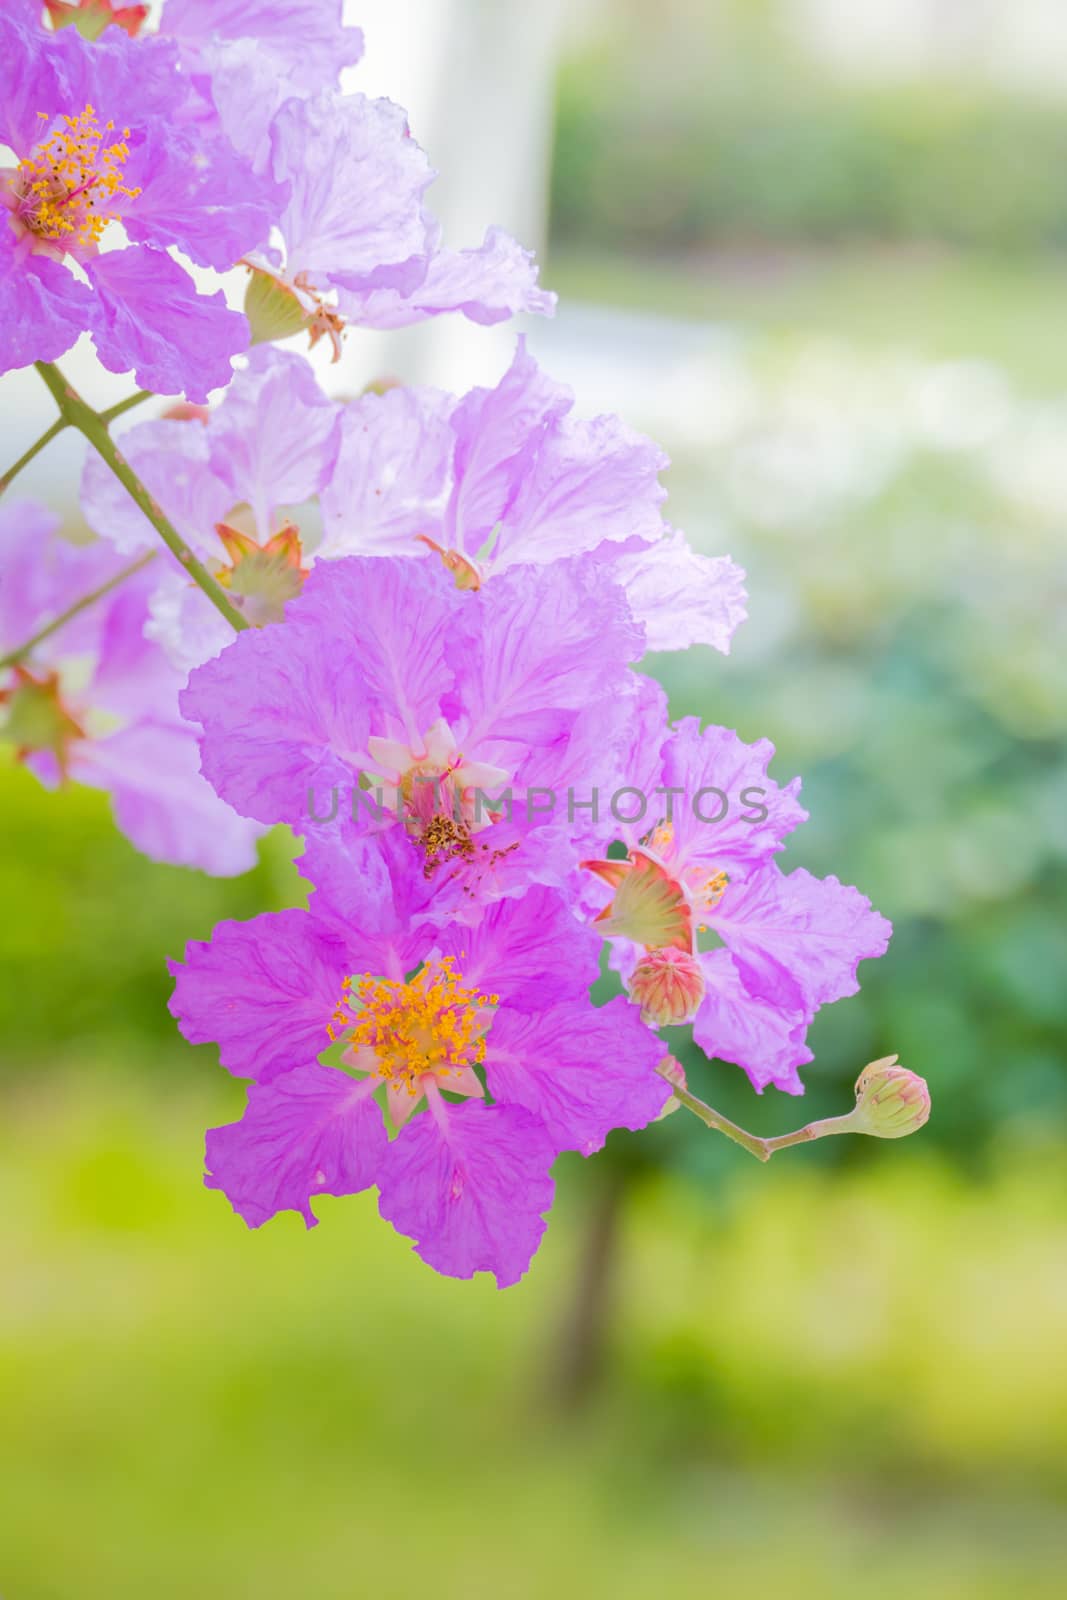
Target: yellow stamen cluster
[65,185]
[431,1024]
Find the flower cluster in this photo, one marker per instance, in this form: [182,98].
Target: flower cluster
[223,135]
[442,605]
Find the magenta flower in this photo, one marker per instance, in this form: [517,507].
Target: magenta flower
[460,711]
[104,134]
[95,703]
[426,1019]
[507,477]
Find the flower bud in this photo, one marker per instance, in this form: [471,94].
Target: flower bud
[891,1102]
[668,985]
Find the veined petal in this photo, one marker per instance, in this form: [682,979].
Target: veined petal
[734,1025]
[264,991]
[797,940]
[314,1131]
[150,318]
[582,1070]
[470,1188]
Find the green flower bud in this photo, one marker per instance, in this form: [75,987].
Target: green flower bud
[891,1102]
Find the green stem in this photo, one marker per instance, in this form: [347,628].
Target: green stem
[813,1130]
[762,1149]
[714,1119]
[89,422]
[107,417]
[24,460]
[14,656]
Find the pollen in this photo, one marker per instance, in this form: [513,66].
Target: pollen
[433,1023]
[711,890]
[65,187]
[444,839]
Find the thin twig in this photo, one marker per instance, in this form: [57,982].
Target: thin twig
[14,656]
[89,422]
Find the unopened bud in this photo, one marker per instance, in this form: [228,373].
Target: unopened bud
[668,985]
[674,1073]
[891,1102]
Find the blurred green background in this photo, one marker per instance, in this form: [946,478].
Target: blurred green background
[841,1373]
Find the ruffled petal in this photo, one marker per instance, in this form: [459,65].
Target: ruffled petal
[713,770]
[487,285]
[199,194]
[581,1070]
[274,439]
[287,711]
[531,649]
[161,802]
[590,482]
[681,597]
[356,179]
[314,1131]
[392,474]
[529,951]
[734,1025]
[263,991]
[307,36]
[470,1189]
[43,307]
[498,434]
[375,888]
[797,940]
[150,318]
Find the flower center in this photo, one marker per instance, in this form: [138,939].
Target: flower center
[64,188]
[705,888]
[430,1028]
[443,797]
[262,577]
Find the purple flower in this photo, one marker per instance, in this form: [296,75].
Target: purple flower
[104,133]
[305,40]
[434,1014]
[235,489]
[460,709]
[96,703]
[509,476]
[703,865]
[358,245]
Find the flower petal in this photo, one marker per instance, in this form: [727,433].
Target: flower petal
[797,940]
[314,1131]
[528,951]
[43,307]
[262,990]
[470,1188]
[150,318]
[582,1070]
[734,1025]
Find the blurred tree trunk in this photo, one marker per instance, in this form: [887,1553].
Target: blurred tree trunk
[580,1349]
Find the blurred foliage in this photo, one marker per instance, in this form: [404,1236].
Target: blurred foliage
[901,518]
[719,128]
[840,1385]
